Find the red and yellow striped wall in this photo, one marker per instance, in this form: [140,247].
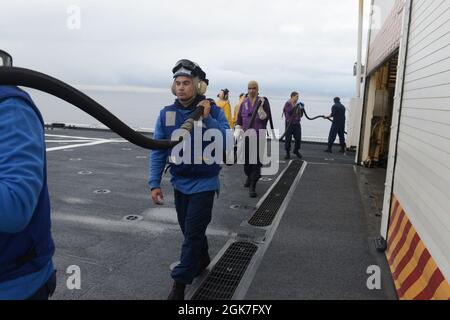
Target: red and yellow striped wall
[415,273]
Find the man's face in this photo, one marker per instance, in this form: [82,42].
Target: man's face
[184,87]
[295,99]
[252,91]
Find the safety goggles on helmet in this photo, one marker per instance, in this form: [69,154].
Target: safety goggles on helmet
[189,68]
[5,59]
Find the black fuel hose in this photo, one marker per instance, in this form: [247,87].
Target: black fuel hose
[307,117]
[15,76]
[285,132]
[314,118]
[272,126]
[318,118]
[252,119]
[188,125]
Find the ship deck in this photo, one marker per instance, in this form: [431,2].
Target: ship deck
[319,245]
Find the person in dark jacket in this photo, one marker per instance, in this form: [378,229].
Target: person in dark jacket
[338,125]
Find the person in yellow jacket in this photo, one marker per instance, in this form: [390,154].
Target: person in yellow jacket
[236,108]
[224,104]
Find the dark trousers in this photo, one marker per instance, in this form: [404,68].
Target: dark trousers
[46,290]
[251,169]
[194,213]
[294,130]
[336,129]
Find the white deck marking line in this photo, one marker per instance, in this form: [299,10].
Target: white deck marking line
[118,140]
[108,224]
[67,141]
[129,226]
[78,145]
[72,137]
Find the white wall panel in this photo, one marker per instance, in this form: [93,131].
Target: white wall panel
[422,173]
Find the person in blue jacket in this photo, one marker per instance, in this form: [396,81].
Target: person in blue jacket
[195,183]
[26,244]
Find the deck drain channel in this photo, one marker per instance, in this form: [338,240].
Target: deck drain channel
[266,212]
[224,278]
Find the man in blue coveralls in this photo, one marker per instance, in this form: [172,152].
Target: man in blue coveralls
[195,184]
[26,245]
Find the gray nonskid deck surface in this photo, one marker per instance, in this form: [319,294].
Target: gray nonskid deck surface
[322,245]
[320,250]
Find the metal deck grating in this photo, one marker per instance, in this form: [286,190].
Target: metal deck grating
[267,211]
[224,278]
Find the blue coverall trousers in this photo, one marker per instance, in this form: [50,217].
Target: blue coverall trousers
[336,129]
[194,212]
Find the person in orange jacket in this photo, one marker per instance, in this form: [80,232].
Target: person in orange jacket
[236,109]
[224,104]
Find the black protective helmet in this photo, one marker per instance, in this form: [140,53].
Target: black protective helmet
[225,93]
[189,68]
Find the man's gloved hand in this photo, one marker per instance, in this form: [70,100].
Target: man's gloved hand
[262,115]
[206,104]
[239,144]
[238,133]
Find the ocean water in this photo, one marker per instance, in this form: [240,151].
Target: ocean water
[140,110]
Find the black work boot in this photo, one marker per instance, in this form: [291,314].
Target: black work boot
[288,156]
[342,149]
[328,150]
[203,263]
[177,292]
[252,191]
[247,183]
[298,154]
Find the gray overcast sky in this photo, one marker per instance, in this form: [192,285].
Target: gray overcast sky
[291,44]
